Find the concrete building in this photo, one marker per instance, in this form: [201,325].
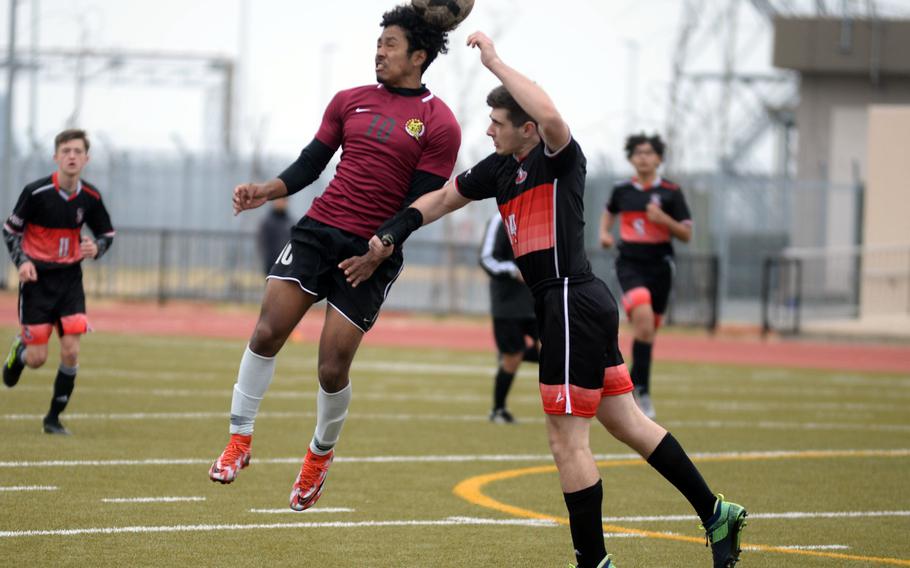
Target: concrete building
[846,66]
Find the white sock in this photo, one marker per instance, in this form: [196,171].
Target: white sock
[253,379]
[331,411]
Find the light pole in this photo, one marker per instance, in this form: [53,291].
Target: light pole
[8,179]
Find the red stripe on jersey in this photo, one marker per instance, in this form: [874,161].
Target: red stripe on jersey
[636,228]
[528,219]
[91,191]
[60,246]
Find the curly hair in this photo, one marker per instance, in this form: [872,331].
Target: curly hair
[420,33]
[636,140]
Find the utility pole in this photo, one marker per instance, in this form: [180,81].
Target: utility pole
[8,179]
[33,75]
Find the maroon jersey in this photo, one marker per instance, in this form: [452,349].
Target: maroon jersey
[385,137]
[641,238]
[541,201]
[50,221]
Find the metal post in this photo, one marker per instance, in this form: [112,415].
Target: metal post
[766,297]
[8,178]
[162,266]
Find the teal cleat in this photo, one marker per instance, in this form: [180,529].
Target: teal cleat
[723,532]
[12,368]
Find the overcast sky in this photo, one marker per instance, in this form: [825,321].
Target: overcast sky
[594,57]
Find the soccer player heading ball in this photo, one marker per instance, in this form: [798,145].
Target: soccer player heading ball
[537,176]
[398,142]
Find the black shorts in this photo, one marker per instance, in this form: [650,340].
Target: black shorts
[510,333]
[656,276]
[55,301]
[580,361]
[311,260]
[57,293]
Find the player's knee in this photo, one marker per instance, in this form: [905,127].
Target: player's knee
[333,375]
[266,341]
[35,356]
[69,355]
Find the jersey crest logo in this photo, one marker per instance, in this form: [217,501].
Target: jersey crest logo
[80,214]
[521,177]
[415,128]
[655,199]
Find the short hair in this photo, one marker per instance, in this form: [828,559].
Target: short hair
[637,140]
[500,97]
[71,134]
[420,33]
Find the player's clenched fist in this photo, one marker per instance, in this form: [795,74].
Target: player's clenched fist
[249,196]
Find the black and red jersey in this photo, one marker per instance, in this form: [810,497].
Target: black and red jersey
[385,137]
[50,220]
[540,199]
[639,237]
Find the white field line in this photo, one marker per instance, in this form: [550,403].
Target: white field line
[812,547]
[455,458]
[15,488]
[770,516]
[288,510]
[152,499]
[450,521]
[702,424]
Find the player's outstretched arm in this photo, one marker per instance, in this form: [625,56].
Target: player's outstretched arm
[253,195]
[528,94]
[395,231]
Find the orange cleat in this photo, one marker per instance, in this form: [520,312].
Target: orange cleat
[235,457]
[310,481]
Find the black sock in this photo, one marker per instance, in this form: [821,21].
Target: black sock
[532,355]
[586,524]
[63,388]
[672,462]
[641,366]
[501,388]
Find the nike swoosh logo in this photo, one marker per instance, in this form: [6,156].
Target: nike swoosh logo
[358,109]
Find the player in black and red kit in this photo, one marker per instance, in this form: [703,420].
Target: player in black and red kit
[537,176]
[512,308]
[398,141]
[652,211]
[45,242]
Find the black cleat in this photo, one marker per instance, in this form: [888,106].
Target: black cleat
[501,416]
[55,427]
[13,366]
[723,532]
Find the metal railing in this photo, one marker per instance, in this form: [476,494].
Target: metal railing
[440,277]
[846,283]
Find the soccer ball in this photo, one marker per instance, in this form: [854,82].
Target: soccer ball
[444,14]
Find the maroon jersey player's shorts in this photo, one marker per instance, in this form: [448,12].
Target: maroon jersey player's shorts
[580,361]
[311,260]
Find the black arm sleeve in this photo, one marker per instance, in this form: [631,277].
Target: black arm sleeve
[104,244]
[396,230]
[421,183]
[14,246]
[312,160]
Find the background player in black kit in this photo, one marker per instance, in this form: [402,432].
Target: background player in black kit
[652,211]
[537,176]
[512,308]
[45,242]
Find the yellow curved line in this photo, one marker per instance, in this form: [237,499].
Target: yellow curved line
[471,490]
